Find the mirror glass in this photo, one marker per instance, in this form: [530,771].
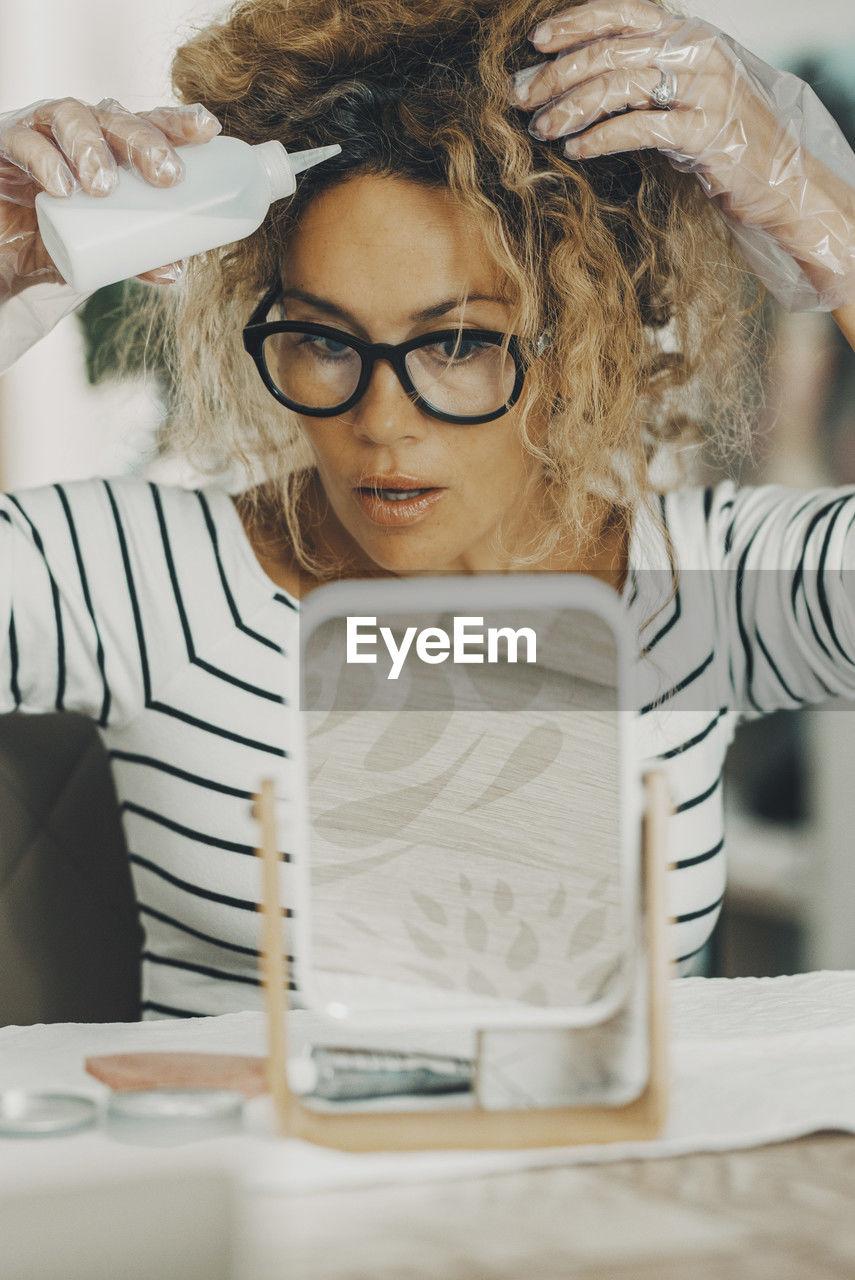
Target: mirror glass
[469,858]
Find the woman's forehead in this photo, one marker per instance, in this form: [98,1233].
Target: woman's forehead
[383,242]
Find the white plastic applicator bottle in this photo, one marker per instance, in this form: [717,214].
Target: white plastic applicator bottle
[225,193]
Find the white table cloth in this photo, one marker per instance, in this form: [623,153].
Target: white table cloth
[753,1061]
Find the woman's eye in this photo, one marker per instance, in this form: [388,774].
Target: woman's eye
[458,350]
[327,347]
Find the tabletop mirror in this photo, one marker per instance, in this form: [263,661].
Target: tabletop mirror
[470,872]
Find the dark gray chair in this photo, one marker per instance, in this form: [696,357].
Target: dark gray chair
[70,937]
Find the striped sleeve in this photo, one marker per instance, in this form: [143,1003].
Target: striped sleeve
[788,561]
[63,610]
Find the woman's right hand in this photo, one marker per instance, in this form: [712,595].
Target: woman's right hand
[59,145]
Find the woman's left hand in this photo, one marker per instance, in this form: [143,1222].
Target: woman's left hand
[759,140]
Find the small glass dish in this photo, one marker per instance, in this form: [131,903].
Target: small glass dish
[167,1116]
[27,1113]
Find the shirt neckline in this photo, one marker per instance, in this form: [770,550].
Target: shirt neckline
[636,559]
[249,560]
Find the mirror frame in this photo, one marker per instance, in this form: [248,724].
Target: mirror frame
[453,594]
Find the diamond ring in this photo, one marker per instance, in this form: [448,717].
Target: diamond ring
[665,93]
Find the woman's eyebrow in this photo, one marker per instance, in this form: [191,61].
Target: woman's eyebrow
[320,304]
[440,308]
[428,313]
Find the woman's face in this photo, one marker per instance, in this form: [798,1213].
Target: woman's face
[387,260]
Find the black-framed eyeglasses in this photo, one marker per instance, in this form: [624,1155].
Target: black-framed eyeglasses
[464,376]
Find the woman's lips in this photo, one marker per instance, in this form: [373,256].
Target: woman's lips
[396,505]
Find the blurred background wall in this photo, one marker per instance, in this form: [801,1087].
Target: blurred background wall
[791,894]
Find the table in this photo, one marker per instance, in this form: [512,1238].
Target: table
[781,1210]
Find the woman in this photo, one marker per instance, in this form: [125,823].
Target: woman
[445,225]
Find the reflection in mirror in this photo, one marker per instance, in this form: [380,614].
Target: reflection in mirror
[470,860]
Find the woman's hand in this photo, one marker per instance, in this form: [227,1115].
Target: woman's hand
[760,142]
[61,144]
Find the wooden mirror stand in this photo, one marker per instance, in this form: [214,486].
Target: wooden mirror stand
[478,1127]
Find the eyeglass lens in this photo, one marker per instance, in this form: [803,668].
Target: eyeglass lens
[456,375]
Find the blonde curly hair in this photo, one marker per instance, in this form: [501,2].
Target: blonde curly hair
[623,260]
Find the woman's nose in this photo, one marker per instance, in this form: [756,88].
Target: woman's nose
[386,413]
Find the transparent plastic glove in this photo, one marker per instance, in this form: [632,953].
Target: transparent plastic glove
[60,145]
[759,140]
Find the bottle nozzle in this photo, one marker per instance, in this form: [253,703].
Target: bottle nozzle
[302,160]
[282,168]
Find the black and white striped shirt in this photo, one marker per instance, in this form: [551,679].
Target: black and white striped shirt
[144,607]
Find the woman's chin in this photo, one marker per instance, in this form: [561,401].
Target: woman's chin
[405,555]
